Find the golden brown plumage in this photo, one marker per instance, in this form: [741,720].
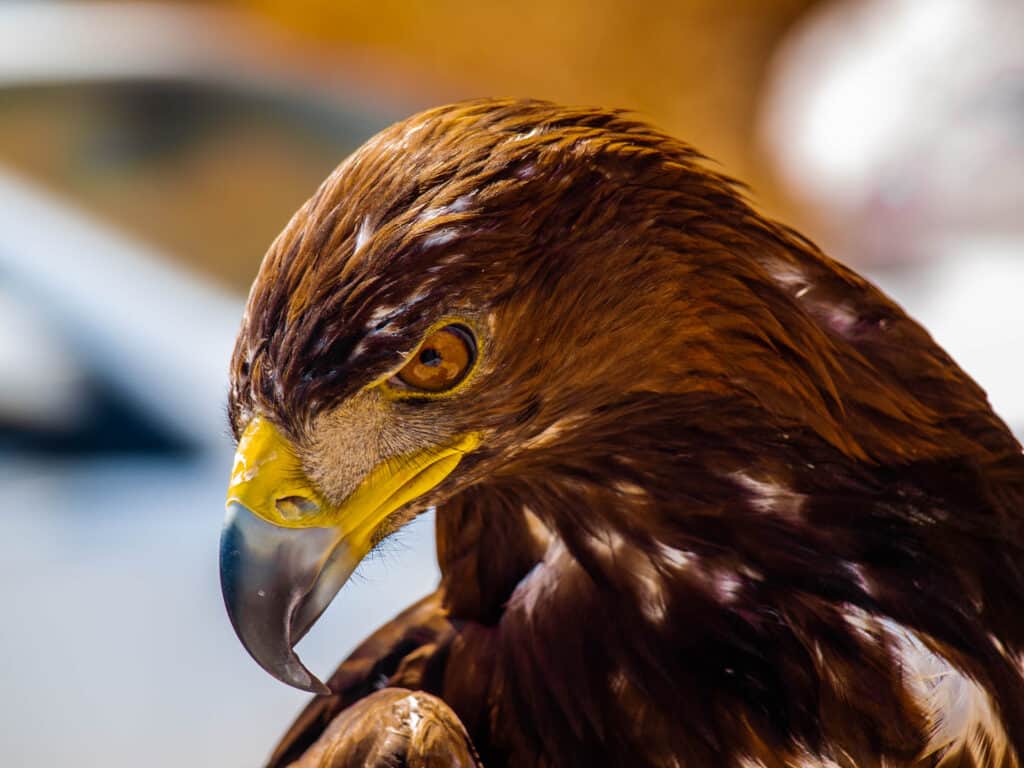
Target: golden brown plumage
[393,727]
[730,506]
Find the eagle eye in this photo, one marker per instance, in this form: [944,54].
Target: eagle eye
[443,360]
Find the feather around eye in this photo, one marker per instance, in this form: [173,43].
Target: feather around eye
[442,361]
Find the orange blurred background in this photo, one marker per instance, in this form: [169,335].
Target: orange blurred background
[694,68]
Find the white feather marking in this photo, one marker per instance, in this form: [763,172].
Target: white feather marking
[523,136]
[771,496]
[959,712]
[625,488]
[857,572]
[807,759]
[414,714]
[726,585]
[553,431]
[429,214]
[526,171]
[841,318]
[749,573]
[542,579]
[441,237]
[378,315]
[675,558]
[651,589]
[961,715]
[787,275]
[608,544]
[364,234]
[461,204]
[412,129]
[647,581]
[420,295]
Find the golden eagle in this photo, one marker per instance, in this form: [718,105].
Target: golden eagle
[704,496]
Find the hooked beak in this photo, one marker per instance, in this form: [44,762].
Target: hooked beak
[285,552]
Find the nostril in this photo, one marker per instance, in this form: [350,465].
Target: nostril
[296,507]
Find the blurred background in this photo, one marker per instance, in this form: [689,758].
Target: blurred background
[150,152]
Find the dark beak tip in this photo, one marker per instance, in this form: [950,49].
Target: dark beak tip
[295,674]
[320,689]
[273,591]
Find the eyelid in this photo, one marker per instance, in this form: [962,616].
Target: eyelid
[462,332]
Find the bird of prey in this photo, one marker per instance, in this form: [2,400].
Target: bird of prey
[704,497]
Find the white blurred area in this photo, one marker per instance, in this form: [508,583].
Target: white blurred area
[148,154]
[115,649]
[898,125]
[160,336]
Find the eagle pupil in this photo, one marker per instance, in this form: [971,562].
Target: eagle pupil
[430,357]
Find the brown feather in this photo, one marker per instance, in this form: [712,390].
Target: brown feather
[732,503]
[392,728]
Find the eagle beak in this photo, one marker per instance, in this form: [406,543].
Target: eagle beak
[285,551]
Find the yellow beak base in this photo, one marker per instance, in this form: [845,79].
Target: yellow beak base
[286,551]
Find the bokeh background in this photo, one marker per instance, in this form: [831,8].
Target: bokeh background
[150,152]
